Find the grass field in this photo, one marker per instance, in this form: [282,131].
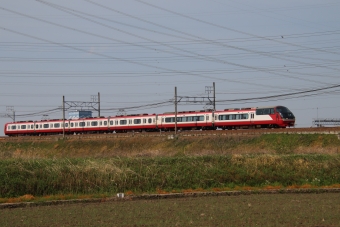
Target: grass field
[73,169]
[243,210]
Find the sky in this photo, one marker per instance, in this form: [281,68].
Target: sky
[135,52]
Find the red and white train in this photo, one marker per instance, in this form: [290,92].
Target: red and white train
[239,118]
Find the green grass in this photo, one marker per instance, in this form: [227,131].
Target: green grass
[40,177]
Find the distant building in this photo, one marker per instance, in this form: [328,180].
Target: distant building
[79,114]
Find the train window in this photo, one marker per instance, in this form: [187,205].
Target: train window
[200,118]
[162,119]
[72,125]
[23,126]
[105,122]
[88,123]
[82,124]
[259,112]
[154,120]
[207,118]
[9,127]
[31,126]
[94,123]
[14,127]
[51,126]
[40,126]
[130,122]
[46,125]
[123,122]
[144,121]
[36,126]
[100,123]
[169,119]
[66,125]
[111,122]
[137,121]
[149,121]
[266,111]
[116,122]
[76,124]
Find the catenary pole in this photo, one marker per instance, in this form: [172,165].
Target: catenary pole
[63,116]
[175,110]
[214,96]
[98,104]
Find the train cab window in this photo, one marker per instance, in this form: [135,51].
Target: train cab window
[149,121]
[111,122]
[14,127]
[72,125]
[46,125]
[144,121]
[137,121]
[94,123]
[123,122]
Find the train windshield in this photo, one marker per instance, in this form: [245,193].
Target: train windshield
[285,112]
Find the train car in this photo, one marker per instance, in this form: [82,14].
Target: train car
[19,128]
[187,120]
[135,123]
[256,117]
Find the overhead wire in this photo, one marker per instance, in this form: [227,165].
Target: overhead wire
[260,69]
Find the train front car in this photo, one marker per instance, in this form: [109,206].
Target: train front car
[285,117]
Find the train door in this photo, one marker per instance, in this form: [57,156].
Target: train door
[252,120]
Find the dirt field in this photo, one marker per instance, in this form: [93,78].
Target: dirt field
[242,210]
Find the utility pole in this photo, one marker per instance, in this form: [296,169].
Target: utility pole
[175,110]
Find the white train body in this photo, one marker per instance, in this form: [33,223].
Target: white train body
[264,117]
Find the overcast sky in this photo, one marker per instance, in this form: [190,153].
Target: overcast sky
[135,52]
